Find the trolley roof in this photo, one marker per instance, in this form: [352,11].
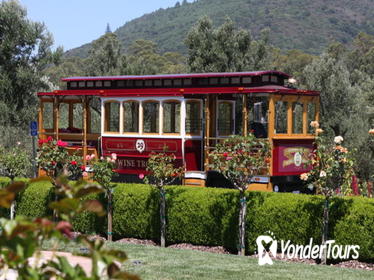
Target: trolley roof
[180,85]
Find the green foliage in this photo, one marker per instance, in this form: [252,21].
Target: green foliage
[208,216]
[104,56]
[332,167]
[135,212]
[162,170]
[358,220]
[14,162]
[25,49]
[33,201]
[21,239]
[103,170]
[225,49]
[55,160]
[240,158]
[292,26]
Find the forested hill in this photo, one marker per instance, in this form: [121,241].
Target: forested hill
[294,24]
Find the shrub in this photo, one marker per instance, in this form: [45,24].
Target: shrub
[357,226]
[289,216]
[89,223]
[33,201]
[135,211]
[208,216]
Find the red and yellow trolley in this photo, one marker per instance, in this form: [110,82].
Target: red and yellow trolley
[189,114]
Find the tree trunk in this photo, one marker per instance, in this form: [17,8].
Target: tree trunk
[242,216]
[13,205]
[325,229]
[110,216]
[162,216]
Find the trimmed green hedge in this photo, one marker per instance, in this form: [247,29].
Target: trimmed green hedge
[207,216]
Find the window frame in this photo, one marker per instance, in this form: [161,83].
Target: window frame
[163,115]
[105,114]
[123,116]
[143,102]
[200,111]
[232,103]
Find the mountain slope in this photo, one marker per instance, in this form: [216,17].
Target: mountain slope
[294,24]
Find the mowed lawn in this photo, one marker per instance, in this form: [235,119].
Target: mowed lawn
[151,262]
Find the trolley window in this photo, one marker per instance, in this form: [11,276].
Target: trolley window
[193,117]
[78,115]
[311,113]
[63,123]
[225,118]
[130,116]
[95,115]
[171,117]
[281,117]
[258,116]
[47,113]
[297,117]
[112,116]
[151,117]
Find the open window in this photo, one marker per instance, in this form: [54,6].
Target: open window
[112,121]
[258,116]
[193,117]
[171,116]
[281,117]
[297,117]
[131,117]
[311,116]
[151,111]
[47,115]
[225,118]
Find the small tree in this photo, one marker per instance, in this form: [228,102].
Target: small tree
[331,173]
[240,158]
[103,173]
[14,163]
[162,172]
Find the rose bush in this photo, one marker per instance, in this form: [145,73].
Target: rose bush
[240,158]
[331,174]
[162,171]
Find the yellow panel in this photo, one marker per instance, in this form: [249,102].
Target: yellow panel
[194,182]
[260,187]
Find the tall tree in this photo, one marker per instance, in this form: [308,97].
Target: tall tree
[225,49]
[143,58]
[25,51]
[105,56]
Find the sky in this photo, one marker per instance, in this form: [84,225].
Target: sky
[76,22]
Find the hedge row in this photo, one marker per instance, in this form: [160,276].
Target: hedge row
[206,216]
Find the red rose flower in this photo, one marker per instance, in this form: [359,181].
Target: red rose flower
[225,154]
[83,168]
[61,143]
[73,162]
[49,139]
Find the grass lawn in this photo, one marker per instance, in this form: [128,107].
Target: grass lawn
[163,263]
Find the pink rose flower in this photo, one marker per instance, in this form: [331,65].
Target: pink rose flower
[141,176]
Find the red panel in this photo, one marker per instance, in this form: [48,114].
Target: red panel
[192,152]
[291,157]
[131,161]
